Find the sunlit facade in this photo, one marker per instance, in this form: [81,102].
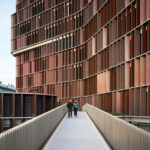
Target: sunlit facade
[94,51]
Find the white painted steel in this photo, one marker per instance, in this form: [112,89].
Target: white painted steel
[76,134]
[32,134]
[120,134]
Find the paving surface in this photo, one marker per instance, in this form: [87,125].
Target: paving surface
[76,133]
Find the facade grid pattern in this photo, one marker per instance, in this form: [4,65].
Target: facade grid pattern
[95,51]
[16,108]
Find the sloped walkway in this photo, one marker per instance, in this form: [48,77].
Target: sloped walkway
[76,133]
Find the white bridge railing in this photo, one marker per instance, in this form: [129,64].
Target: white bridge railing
[119,134]
[32,134]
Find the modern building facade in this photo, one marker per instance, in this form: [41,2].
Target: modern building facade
[94,51]
[16,108]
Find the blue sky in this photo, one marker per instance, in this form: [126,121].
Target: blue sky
[7,61]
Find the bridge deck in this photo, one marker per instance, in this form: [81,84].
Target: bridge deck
[76,134]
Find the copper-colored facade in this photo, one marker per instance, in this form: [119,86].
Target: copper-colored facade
[16,108]
[94,51]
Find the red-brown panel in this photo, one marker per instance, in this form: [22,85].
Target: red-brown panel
[33,106]
[131,102]
[137,101]
[143,103]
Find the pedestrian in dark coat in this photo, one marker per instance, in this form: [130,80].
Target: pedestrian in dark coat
[69,106]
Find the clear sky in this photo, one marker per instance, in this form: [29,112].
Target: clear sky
[7,61]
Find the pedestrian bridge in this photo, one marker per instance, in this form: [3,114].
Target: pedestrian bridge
[76,133]
[93,129]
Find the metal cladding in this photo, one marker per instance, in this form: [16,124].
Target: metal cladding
[16,108]
[95,51]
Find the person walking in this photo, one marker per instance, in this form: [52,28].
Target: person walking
[69,106]
[76,107]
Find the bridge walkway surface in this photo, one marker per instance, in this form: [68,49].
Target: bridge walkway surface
[76,133]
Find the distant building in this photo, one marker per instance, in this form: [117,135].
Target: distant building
[7,88]
[95,51]
[16,108]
